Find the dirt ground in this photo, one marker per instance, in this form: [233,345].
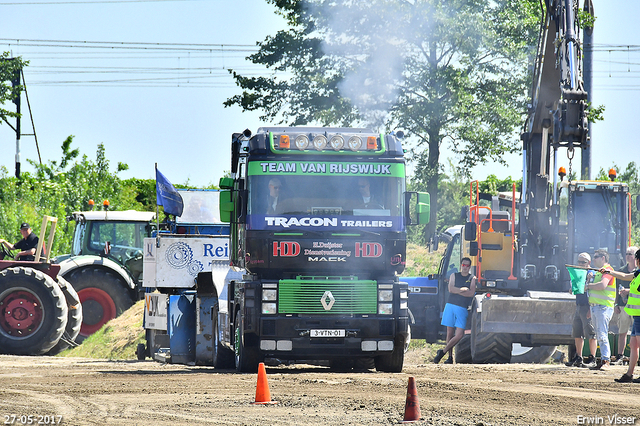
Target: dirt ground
[84,391]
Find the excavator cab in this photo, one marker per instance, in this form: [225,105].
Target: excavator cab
[493,243]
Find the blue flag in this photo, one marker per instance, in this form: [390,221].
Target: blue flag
[167,196]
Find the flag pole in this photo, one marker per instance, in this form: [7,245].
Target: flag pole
[157,210]
[587,268]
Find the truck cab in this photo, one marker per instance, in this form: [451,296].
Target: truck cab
[318,225]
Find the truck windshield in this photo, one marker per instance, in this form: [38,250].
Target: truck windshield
[328,200]
[200,206]
[125,238]
[602,211]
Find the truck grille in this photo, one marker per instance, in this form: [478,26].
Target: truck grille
[306,296]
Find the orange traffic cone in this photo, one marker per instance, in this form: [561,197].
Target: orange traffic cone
[412,406]
[263,396]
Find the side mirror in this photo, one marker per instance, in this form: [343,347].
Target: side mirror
[473,248]
[226,206]
[226,183]
[470,231]
[464,212]
[423,208]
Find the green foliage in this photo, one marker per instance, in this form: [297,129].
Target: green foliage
[446,72]
[595,114]
[492,185]
[10,69]
[58,188]
[585,19]
[453,192]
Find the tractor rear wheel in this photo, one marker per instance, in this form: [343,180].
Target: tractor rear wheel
[527,355]
[33,312]
[488,348]
[462,351]
[103,296]
[74,318]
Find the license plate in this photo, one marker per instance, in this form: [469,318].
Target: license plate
[327,333]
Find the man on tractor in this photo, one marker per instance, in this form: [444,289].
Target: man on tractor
[27,245]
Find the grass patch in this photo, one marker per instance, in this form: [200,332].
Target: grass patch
[421,352]
[421,262]
[117,339]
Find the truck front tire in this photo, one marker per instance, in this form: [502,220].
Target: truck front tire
[222,356]
[393,361]
[247,357]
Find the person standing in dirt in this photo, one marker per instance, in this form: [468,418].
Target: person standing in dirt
[582,325]
[462,287]
[621,321]
[632,308]
[27,245]
[602,296]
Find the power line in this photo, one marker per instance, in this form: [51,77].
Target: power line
[132,45]
[22,3]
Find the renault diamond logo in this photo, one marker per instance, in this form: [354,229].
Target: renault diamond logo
[327,300]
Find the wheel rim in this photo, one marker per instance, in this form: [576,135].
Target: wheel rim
[518,349]
[98,308]
[21,313]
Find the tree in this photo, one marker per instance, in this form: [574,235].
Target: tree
[10,69]
[58,188]
[449,71]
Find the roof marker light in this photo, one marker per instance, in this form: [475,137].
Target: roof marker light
[284,141]
[371,142]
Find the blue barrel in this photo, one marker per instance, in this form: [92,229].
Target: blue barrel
[182,328]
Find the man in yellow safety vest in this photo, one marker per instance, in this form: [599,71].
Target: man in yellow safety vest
[602,298]
[633,309]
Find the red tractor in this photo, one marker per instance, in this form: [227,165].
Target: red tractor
[40,313]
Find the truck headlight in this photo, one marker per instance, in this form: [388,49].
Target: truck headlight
[385,295]
[385,308]
[269,308]
[269,294]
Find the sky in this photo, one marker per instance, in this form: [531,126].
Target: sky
[147,78]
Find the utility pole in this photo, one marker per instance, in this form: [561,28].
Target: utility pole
[588,87]
[16,82]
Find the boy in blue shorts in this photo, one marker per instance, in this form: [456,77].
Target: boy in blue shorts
[462,287]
